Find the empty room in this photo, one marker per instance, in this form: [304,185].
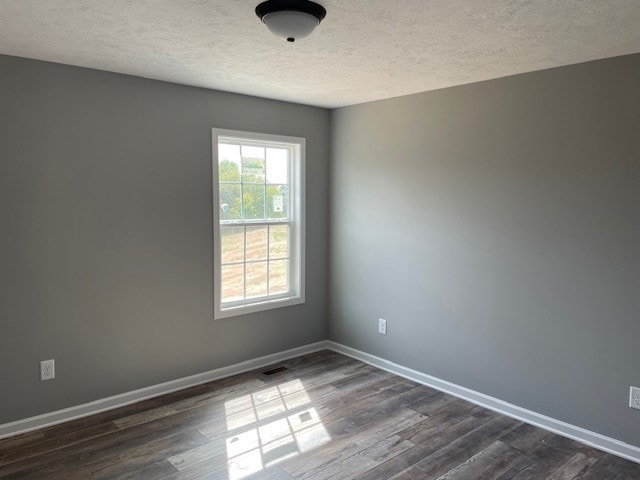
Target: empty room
[332,239]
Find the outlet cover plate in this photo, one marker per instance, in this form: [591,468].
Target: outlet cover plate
[47,370]
[382,326]
[634,398]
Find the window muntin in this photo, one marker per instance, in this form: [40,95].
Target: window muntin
[259,227]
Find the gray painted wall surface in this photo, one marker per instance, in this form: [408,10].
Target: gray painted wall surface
[105,247]
[497,227]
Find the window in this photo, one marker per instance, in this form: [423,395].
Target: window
[258,185]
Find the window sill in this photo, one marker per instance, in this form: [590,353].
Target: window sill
[257,307]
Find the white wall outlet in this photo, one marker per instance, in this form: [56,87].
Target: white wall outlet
[47,370]
[634,398]
[382,326]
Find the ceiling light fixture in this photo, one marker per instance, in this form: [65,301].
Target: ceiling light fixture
[290,19]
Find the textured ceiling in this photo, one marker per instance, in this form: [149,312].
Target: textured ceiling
[364,50]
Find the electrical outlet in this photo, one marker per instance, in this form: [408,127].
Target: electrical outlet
[634,398]
[47,370]
[382,326]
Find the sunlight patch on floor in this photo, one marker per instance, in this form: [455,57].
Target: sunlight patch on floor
[295,428]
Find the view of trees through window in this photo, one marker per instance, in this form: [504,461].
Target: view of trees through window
[254,215]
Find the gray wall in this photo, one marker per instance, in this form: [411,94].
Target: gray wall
[105,241]
[497,227]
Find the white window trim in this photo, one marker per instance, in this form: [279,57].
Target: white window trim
[297,255]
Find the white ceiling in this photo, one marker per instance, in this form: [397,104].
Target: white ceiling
[364,49]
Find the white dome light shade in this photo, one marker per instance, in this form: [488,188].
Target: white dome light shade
[290,19]
[290,25]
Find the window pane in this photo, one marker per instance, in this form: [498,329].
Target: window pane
[256,279]
[257,243]
[230,202]
[278,201]
[277,165]
[253,202]
[232,244]
[278,276]
[278,241]
[229,163]
[253,164]
[232,282]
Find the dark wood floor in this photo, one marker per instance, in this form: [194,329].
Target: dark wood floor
[326,417]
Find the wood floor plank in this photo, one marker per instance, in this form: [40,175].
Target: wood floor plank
[542,462]
[446,417]
[460,449]
[441,401]
[325,416]
[113,462]
[194,456]
[344,401]
[522,468]
[367,410]
[410,473]
[362,461]
[569,445]
[212,467]
[113,442]
[438,439]
[46,444]
[150,455]
[325,357]
[154,470]
[271,473]
[349,443]
[12,443]
[571,469]
[220,394]
[612,468]
[337,372]
[490,462]
[527,438]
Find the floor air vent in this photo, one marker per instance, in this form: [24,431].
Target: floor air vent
[274,370]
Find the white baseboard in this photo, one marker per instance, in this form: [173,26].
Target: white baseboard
[109,403]
[593,439]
